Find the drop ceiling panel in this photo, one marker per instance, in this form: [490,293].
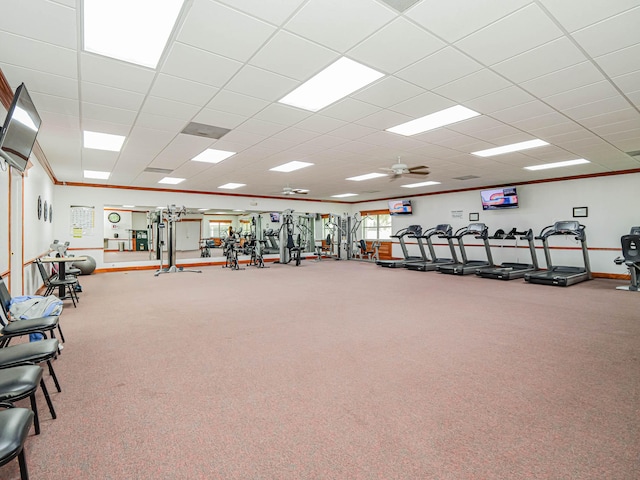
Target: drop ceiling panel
[579,96]
[210,25]
[35,55]
[159,122]
[53,104]
[542,60]
[45,21]
[320,124]
[284,114]
[273,12]
[293,56]
[109,96]
[446,21]
[627,114]
[525,29]
[499,100]
[590,12]
[169,108]
[614,33]
[611,104]
[475,85]
[146,142]
[114,73]
[621,61]
[352,131]
[423,104]
[181,90]
[522,111]
[259,83]
[197,65]
[395,46]
[220,119]
[442,67]
[576,76]
[260,127]
[103,113]
[388,91]
[383,119]
[348,110]
[338,24]
[237,103]
[628,83]
[41,82]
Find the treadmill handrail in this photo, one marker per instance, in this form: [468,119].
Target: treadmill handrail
[552,230]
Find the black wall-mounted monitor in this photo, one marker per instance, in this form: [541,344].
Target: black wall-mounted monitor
[19,130]
[274,217]
[499,198]
[400,207]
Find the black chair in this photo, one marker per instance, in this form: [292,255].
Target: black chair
[21,382]
[69,283]
[16,328]
[631,258]
[363,250]
[31,353]
[14,428]
[295,251]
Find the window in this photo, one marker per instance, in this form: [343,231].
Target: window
[218,229]
[376,226]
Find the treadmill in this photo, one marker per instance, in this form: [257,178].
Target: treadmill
[414,231]
[562,276]
[512,270]
[466,267]
[443,231]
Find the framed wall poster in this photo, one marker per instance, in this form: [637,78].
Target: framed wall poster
[580,212]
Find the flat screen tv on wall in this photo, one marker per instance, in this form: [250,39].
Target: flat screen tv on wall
[400,207]
[19,130]
[499,198]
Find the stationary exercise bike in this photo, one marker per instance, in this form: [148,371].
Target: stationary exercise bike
[631,258]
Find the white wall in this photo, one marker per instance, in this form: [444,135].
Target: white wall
[613,208]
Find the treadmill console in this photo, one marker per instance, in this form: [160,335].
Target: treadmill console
[443,229]
[415,230]
[567,226]
[476,228]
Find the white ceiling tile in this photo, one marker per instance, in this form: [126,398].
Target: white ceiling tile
[591,109]
[263,84]
[388,91]
[338,24]
[290,55]
[499,100]
[349,110]
[284,114]
[35,55]
[42,82]
[576,76]
[260,127]
[169,108]
[525,29]
[210,26]
[209,116]
[616,127]
[245,139]
[579,96]
[237,103]
[320,123]
[107,114]
[628,114]
[446,19]
[442,67]
[474,85]
[551,56]
[589,12]
[296,135]
[159,122]
[274,11]
[395,46]
[112,97]
[182,90]
[352,131]
[44,21]
[629,82]
[422,105]
[114,73]
[146,142]
[621,61]
[522,112]
[612,34]
[383,119]
[194,64]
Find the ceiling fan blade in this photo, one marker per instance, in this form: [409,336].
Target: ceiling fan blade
[417,174]
[420,167]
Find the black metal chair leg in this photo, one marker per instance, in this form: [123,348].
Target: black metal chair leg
[53,374]
[24,473]
[34,409]
[61,334]
[48,399]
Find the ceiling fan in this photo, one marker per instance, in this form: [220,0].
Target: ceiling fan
[399,169]
[294,191]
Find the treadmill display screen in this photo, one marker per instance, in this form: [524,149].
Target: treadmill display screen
[498,198]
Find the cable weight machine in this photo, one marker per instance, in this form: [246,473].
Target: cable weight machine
[171,216]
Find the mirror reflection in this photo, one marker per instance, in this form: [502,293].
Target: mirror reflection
[141,233]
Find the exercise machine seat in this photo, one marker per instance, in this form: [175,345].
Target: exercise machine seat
[14,429]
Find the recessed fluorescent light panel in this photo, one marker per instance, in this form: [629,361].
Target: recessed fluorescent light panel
[421,184]
[434,120]
[291,166]
[367,176]
[212,155]
[514,147]
[102,141]
[344,195]
[338,80]
[567,163]
[114,28]
[232,186]
[96,174]
[128,206]
[172,180]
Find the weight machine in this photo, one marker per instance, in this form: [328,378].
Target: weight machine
[171,215]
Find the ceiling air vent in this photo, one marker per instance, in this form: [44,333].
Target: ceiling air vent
[157,170]
[400,5]
[202,130]
[635,153]
[466,177]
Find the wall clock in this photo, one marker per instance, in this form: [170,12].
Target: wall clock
[45,211]
[114,217]
[39,207]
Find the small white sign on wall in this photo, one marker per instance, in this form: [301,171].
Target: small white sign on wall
[456,214]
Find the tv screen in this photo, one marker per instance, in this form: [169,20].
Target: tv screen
[275,216]
[400,207]
[499,198]
[19,130]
